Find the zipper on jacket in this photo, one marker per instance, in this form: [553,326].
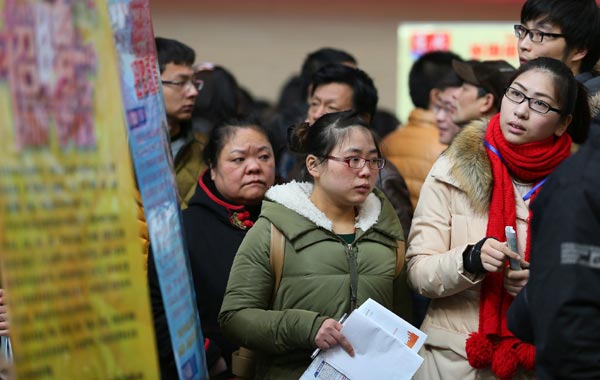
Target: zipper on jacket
[353,268]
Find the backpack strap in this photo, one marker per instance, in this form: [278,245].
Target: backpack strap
[244,360]
[400,254]
[276,256]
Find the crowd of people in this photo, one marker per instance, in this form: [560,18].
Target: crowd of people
[412,216]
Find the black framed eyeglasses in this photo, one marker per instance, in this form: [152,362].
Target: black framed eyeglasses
[534,34]
[356,162]
[536,105]
[182,85]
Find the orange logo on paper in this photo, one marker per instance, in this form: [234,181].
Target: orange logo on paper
[412,339]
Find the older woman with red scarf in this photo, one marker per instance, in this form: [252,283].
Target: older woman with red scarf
[484,182]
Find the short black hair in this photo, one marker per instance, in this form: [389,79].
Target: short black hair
[384,122]
[219,96]
[173,51]
[578,20]
[364,93]
[426,74]
[319,58]
[450,80]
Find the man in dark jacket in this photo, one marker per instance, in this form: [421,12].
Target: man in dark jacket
[559,309]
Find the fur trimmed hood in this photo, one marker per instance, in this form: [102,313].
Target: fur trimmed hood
[595,104]
[591,81]
[295,196]
[470,165]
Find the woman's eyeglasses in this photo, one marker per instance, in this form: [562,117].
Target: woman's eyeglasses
[356,162]
[536,105]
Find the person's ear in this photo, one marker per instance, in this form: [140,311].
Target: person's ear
[312,165]
[578,54]
[564,124]
[487,103]
[212,171]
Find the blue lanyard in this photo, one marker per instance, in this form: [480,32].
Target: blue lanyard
[497,153]
[494,150]
[533,190]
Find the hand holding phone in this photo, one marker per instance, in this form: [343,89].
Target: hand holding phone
[511,238]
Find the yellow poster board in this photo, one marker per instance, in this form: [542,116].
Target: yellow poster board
[470,40]
[70,253]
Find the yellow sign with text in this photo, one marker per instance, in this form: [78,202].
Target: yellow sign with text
[71,259]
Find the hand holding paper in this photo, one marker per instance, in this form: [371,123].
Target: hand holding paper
[381,348]
[329,335]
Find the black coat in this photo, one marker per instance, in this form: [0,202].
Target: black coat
[559,309]
[213,236]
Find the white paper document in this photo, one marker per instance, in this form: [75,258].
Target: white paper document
[407,333]
[378,353]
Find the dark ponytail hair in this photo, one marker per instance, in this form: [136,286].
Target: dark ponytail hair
[327,131]
[579,129]
[571,95]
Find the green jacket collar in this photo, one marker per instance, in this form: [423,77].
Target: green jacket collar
[289,208]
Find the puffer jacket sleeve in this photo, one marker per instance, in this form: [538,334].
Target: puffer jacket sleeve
[435,268]
[394,187]
[245,315]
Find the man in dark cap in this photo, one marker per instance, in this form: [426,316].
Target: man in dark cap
[481,93]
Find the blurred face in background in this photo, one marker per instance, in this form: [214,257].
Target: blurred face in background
[327,98]
[245,167]
[444,108]
[469,106]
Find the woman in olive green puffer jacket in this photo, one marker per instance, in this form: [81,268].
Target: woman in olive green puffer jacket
[341,240]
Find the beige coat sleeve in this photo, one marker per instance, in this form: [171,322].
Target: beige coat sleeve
[442,227]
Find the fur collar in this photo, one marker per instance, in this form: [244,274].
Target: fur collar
[591,81]
[594,101]
[470,165]
[294,195]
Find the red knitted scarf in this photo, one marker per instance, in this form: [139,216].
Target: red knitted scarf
[494,345]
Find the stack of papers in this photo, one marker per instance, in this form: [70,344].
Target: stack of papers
[385,347]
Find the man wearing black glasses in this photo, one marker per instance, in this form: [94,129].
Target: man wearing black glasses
[175,61]
[180,89]
[566,30]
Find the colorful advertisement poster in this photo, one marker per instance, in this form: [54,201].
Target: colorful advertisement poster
[148,136]
[70,253]
[470,40]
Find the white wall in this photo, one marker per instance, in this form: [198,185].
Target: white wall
[263,48]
